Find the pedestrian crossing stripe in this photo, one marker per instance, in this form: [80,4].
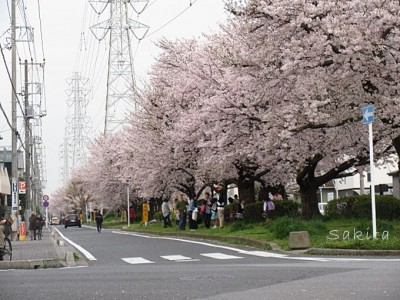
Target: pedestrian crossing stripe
[178,258]
[265,254]
[220,256]
[137,260]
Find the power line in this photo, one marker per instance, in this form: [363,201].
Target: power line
[12,84]
[173,19]
[40,28]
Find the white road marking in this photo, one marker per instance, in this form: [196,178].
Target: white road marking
[265,254]
[220,256]
[137,260]
[260,253]
[307,258]
[88,255]
[176,257]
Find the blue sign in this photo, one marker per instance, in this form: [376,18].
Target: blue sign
[368,114]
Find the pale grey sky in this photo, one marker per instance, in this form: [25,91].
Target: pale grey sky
[67,44]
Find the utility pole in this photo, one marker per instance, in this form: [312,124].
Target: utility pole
[27,142]
[14,132]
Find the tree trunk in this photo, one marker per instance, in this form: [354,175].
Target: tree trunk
[396,144]
[309,201]
[246,190]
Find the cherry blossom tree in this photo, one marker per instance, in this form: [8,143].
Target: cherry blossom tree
[330,58]
[275,97]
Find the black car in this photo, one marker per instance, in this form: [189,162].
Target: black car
[72,220]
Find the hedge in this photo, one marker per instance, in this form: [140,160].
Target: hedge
[359,206]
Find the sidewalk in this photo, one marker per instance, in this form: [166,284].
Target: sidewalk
[49,252]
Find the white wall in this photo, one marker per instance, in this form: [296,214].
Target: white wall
[353,182]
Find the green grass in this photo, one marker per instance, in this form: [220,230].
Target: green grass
[324,233]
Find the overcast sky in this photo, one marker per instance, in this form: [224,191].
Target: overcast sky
[68,45]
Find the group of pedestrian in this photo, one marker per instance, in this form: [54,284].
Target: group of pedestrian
[210,210]
[36,223]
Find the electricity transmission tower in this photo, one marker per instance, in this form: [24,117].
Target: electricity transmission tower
[77,125]
[120,79]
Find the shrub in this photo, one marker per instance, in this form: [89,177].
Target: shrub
[381,225]
[282,227]
[287,208]
[252,212]
[387,207]
[158,215]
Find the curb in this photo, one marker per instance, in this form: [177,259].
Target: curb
[274,247]
[351,252]
[32,264]
[65,251]
[229,239]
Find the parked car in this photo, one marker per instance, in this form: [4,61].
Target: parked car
[72,220]
[54,221]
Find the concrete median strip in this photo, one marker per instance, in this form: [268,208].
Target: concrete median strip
[32,264]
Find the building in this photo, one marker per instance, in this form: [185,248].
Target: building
[360,183]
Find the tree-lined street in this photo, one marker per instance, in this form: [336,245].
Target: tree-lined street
[274,98]
[194,269]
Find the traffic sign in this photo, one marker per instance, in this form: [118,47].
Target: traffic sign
[45,197]
[368,114]
[45,203]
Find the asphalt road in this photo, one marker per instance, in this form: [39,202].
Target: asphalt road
[135,266]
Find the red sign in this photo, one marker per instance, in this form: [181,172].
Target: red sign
[22,187]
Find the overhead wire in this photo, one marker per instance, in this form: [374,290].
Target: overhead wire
[41,28]
[14,130]
[23,14]
[173,19]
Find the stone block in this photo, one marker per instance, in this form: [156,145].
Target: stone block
[299,240]
[69,258]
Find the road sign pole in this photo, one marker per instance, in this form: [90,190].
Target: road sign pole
[371,161]
[47,217]
[128,210]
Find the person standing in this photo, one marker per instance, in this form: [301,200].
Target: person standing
[268,208]
[191,209]
[40,223]
[33,226]
[99,220]
[240,210]
[214,212]
[131,215]
[181,207]
[221,211]
[166,211]
[207,212]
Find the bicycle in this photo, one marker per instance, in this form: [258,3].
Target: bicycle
[6,251]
